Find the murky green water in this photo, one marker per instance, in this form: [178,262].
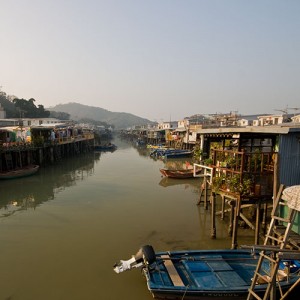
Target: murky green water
[62,230]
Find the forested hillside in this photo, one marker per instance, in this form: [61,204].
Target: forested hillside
[120,120]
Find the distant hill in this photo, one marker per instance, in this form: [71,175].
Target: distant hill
[120,120]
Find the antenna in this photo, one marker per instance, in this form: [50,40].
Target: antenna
[286,110]
[282,110]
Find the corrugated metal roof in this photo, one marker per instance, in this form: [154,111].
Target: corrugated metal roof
[289,159]
[273,129]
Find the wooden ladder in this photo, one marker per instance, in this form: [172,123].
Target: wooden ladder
[260,274]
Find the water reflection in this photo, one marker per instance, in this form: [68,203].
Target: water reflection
[191,183]
[141,150]
[72,221]
[29,192]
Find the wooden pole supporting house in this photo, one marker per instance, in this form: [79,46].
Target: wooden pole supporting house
[207,181]
[51,155]
[201,146]
[200,195]
[20,158]
[257,224]
[235,226]
[241,181]
[264,217]
[203,191]
[235,213]
[213,215]
[28,155]
[243,217]
[223,207]
[231,217]
[40,154]
[233,174]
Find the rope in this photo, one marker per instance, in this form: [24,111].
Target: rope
[185,292]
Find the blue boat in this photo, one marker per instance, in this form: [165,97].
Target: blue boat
[158,152]
[178,154]
[170,153]
[204,274]
[106,147]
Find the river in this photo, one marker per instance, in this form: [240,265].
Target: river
[62,230]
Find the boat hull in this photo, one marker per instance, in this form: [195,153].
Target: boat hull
[171,153]
[180,173]
[239,295]
[170,295]
[18,173]
[175,154]
[203,275]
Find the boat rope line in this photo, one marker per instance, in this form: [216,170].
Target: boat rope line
[185,292]
[208,259]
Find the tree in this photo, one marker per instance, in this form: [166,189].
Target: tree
[8,106]
[42,112]
[27,109]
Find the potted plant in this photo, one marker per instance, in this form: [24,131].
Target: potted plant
[233,183]
[231,162]
[208,161]
[247,186]
[218,182]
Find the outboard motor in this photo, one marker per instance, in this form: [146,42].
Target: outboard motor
[145,256]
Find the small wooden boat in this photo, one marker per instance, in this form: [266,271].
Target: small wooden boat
[204,274]
[179,173]
[108,147]
[18,173]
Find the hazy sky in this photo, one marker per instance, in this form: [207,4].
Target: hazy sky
[158,59]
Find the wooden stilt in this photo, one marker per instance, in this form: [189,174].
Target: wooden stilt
[205,193]
[213,215]
[223,206]
[231,219]
[235,226]
[257,225]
